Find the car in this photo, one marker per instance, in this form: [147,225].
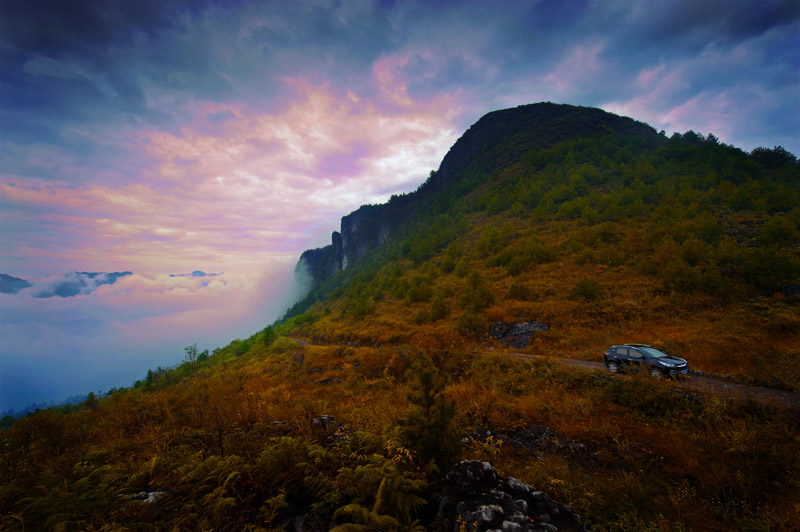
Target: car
[641,356]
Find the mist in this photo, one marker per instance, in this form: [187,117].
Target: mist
[56,347]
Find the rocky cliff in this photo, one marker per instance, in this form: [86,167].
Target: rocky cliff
[499,137]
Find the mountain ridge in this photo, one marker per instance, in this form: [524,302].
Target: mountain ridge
[511,132]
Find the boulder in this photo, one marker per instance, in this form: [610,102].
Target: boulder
[517,335]
[474,497]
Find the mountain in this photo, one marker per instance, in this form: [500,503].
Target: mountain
[12,285]
[498,137]
[445,371]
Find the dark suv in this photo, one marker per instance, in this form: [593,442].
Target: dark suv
[642,356]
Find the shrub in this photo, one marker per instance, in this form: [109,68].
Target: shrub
[586,255]
[477,295]
[520,292]
[470,324]
[439,308]
[423,316]
[778,231]
[420,290]
[462,268]
[678,275]
[587,289]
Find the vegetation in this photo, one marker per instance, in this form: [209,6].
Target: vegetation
[684,243]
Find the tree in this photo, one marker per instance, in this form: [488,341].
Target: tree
[191,354]
[91,401]
[269,335]
[477,295]
[428,425]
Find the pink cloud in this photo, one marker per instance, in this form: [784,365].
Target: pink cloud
[236,193]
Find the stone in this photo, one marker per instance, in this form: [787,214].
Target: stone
[516,335]
[474,494]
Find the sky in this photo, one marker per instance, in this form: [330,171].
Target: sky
[163,138]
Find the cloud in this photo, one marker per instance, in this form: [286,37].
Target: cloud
[74,284]
[59,346]
[326,154]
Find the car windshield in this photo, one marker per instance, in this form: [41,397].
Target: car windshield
[653,353]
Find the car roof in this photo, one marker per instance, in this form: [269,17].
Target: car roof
[636,345]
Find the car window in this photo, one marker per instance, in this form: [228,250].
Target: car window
[635,354]
[622,351]
[655,353]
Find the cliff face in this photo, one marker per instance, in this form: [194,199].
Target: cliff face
[361,230]
[501,136]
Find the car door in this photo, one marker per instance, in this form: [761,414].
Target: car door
[635,359]
[623,354]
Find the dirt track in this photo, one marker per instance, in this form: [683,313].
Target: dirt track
[699,383]
[694,382]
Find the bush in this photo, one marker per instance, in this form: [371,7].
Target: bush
[439,308]
[587,289]
[520,292]
[778,231]
[462,268]
[470,324]
[477,295]
[420,290]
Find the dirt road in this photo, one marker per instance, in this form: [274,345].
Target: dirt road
[699,383]
[694,382]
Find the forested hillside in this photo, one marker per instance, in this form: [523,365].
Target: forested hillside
[348,413]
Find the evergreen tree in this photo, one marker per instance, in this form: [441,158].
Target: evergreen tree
[428,423]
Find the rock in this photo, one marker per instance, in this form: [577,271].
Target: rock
[517,335]
[329,431]
[472,496]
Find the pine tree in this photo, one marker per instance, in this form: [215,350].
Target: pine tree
[428,423]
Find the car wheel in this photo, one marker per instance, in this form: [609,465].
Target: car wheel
[655,372]
[612,366]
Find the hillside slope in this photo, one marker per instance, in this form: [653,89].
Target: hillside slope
[547,229]
[497,138]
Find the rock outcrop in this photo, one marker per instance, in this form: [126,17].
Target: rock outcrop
[517,335]
[474,497]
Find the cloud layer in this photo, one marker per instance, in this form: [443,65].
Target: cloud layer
[157,137]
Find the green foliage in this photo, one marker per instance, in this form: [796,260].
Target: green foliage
[440,309]
[91,401]
[520,256]
[778,231]
[462,268]
[428,423]
[477,295]
[191,354]
[269,335]
[420,290]
[520,292]
[471,325]
[359,306]
[587,289]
